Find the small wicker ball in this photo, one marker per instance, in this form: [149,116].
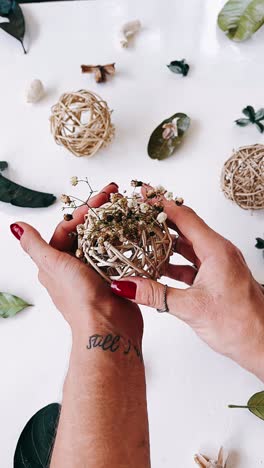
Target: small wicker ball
[119,241]
[242,178]
[81,122]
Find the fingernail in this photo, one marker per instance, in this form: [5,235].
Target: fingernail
[16,230]
[124,289]
[113,183]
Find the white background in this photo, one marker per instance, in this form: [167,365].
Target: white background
[189,386]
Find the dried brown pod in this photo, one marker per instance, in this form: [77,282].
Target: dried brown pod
[100,71]
[205,462]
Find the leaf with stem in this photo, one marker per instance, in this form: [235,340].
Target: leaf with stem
[240,19]
[17,195]
[255,405]
[15,26]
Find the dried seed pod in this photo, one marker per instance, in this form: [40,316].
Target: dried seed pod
[128,31]
[35,91]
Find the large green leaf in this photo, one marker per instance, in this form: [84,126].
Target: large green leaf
[15,26]
[10,305]
[160,148]
[10,192]
[35,444]
[240,19]
[255,405]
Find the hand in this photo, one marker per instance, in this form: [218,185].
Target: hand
[224,304]
[79,293]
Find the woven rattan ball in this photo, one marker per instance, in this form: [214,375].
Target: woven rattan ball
[119,241]
[81,122]
[242,177]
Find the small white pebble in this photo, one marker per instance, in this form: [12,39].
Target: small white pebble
[35,91]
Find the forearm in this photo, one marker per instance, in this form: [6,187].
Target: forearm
[103,420]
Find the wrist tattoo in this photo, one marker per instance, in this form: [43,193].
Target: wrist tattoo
[114,343]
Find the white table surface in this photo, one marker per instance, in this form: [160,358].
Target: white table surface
[189,386]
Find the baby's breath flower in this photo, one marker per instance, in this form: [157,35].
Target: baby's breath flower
[65,199]
[74,180]
[161,218]
[68,217]
[169,196]
[131,203]
[179,201]
[79,253]
[160,189]
[150,193]
[136,183]
[144,207]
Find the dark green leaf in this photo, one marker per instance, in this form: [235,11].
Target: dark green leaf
[35,444]
[179,66]
[242,122]
[5,7]
[240,19]
[259,114]
[160,148]
[10,305]
[249,111]
[3,165]
[16,24]
[10,192]
[255,405]
[260,243]
[260,126]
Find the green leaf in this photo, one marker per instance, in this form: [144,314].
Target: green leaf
[10,305]
[249,111]
[260,243]
[179,66]
[160,148]
[260,126]
[240,19]
[10,192]
[259,114]
[35,444]
[16,24]
[242,122]
[255,405]
[3,165]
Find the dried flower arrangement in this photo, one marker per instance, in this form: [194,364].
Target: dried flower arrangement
[126,236]
[100,71]
[242,178]
[128,32]
[81,122]
[252,118]
[205,462]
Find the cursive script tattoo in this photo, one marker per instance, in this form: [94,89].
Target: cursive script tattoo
[114,343]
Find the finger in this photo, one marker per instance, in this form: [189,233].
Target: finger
[60,239]
[42,254]
[183,273]
[151,293]
[183,247]
[205,241]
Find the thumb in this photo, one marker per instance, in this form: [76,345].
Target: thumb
[151,293]
[42,254]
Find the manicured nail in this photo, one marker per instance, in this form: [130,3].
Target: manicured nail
[124,289]
[113,183]
[16,230]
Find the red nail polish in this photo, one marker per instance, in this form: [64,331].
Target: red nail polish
[124,289]
[16,230]
[113,183]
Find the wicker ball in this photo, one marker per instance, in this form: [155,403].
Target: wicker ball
[242,177]
[119,242]
[81,122]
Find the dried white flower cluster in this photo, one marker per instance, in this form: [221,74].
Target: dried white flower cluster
[126,236]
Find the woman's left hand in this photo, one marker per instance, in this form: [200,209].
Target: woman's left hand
[79,293]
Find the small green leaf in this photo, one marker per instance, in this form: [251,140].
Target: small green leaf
[159,147]
[240,19]
[179,66]
[249,111]
[260,126]
[259,114]
[242,122]
[36,441]
[10,192]
[3,165]
[10,305]
[255,405]
[260,243]
[16,24]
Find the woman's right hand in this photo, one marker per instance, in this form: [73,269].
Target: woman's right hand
[224,304]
